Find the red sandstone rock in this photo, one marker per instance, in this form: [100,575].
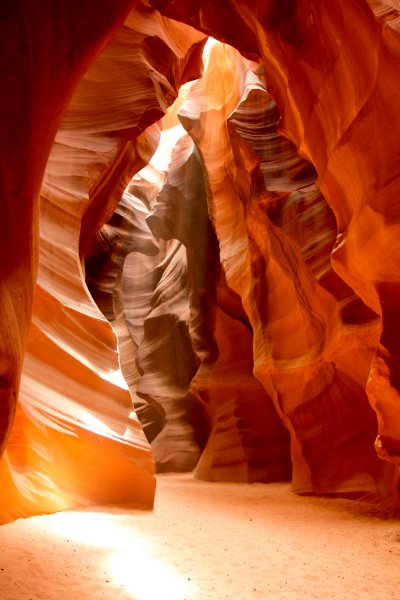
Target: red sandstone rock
[76,438]
[316,340]
[296,324]
[335,83]
[45,50]
[247,441]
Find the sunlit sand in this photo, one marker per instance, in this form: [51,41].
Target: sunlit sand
[207,541]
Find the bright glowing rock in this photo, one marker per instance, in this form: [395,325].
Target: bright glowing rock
[251,276]
[340,117]
[76,439]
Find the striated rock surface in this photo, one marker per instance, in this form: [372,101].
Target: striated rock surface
[275,305]
[147,301]
[296,323]
[340,117]
[247,441]
[251,277]
[76,439]
[45,51]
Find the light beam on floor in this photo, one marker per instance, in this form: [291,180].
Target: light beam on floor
[129,557]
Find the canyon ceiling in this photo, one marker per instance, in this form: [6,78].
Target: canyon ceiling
[204,194]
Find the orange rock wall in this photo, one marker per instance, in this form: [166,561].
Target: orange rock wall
[251,285]
[334,79]
[296,324]
[45,50]
[76,439]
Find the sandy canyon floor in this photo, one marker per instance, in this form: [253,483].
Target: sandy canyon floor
[206,542]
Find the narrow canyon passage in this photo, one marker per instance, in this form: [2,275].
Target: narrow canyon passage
[206,541]
[210,279]
[199,297]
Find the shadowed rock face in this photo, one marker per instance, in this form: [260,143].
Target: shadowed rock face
[45,51]
[296,324]
[329,108]
[251,279]
[76,439]
[243,444]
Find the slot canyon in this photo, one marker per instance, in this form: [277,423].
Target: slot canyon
[200,293]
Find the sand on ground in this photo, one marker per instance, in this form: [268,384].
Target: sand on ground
[206,541]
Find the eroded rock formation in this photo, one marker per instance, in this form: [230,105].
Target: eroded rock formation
[250,277]
[76,438]
[329,107]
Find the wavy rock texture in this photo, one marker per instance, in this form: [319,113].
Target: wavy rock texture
[76,439]
[182,318]
[280,302]
[295,321]
[146,299]
[253,288]
[39,71]
[247,441]
[340,117]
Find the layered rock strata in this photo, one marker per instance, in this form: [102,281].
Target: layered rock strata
[76,439]
[275,300]
[253,288]
[340,117]
[45,51]
[247,442]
